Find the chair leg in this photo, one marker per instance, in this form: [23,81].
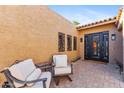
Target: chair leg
[69,78]
[57,80]
[57,83]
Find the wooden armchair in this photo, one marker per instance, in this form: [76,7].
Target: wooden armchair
[61,67]
[26,74]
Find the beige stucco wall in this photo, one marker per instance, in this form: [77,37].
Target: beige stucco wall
[31,32]
[118,49]
[120,31]
[122,20]
[123,45]
[107,27]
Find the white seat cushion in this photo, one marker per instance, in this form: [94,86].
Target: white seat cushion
[60,60]
[37,85]
[34,76]
[62,70]
[22,70]
[40,84]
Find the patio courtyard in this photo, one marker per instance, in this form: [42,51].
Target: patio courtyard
[92,74]
[47,36]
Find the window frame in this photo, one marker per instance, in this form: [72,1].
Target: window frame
[69,43]
[74,43]
[61,44]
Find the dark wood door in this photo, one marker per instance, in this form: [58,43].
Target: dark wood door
[88,46]
[97,46]
[105,46]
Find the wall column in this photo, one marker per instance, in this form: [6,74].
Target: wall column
[123,56]
[123,44]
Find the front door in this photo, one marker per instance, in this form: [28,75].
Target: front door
[105,46]
[97,46]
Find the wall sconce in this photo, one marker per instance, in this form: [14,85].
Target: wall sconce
[113,37]
[81,39]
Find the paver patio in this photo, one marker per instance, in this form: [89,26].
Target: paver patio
[92,74]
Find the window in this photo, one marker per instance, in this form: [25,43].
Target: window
[69,42]
[75,43]
[61,42]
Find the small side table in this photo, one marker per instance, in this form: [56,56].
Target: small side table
[45,66]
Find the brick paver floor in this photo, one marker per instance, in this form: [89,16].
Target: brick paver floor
[92,74]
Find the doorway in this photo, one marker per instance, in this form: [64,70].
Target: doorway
[96,46]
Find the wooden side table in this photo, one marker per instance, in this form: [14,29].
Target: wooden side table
[45,66]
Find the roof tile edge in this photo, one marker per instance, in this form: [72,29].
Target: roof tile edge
[97,23]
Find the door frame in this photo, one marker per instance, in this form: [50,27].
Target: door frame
[100,38]
[106,32]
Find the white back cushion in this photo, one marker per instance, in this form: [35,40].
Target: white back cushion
[22,70]
[60,60]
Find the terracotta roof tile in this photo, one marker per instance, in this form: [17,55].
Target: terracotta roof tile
[97,22]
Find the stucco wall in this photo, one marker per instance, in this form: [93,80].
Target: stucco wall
[108,27]
[122,20]
[31,32]
[123,45]
[120,41]
[118,49]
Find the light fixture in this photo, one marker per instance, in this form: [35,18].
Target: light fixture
[81,39]
[113,36]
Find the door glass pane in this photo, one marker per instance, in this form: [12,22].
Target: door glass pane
[94,47]
[98,49]
[106,48]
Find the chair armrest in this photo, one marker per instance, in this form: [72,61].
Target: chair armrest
[8,74]
[53,65]
[38,80]
[3,70]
